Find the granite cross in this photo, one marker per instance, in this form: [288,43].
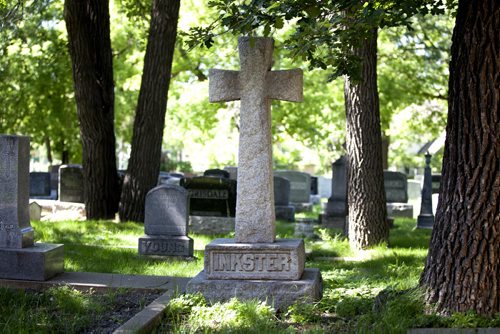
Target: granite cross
[255,84]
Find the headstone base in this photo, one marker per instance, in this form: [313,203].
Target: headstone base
[211,225]
[285,212]
[37,263]
[280,260]
[166,245]
[425,221]
[277,293]
[302,207]
[404,210]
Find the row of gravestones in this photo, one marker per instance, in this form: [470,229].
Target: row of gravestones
[396,191]
[63,182]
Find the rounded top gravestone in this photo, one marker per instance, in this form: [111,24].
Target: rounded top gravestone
[166,211]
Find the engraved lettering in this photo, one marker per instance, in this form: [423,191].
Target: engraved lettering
[209,193]
[263,262]
[248,263]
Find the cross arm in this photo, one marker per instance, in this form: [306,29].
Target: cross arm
[285,85]
[223,85]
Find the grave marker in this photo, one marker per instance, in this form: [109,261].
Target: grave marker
[282,206]
[254,264]
[426,217]
[71,183]
[300,189]
[39,184]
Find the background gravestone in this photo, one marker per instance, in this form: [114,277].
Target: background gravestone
[396,193]
[300,189]
[426,217]
[39,184]
[282,207]
[233,172]
[217,173]
[54,180]
[324,187]
[436,182]
[20,258]
[336,208]
[166,223]
[71,183]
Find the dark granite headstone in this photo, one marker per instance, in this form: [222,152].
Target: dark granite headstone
[282,208]
[396,187]
[314,185]
[217,173]
[71,183]
[165,223]
[436,183]
[39,184]
[336,208]
[426,217]
[54,180]
[300,189]
[211,196]
[20,258]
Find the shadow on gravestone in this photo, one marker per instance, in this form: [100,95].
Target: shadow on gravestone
[166,223]
[20,257]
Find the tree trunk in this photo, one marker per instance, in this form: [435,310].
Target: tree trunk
[87,23]
[144,162]
[366,195]
[462,272]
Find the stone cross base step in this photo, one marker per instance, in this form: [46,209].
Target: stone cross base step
[211,225]
[37,263]
[280,260]
[285,212]
[166,245]
[277,293]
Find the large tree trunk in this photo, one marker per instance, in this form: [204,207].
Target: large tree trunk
[366,195]
[87,23]
[144,162]
[463,265]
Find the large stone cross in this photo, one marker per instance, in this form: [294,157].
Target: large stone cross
[255,84]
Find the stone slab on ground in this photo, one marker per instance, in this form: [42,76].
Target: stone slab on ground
[277,293]
[280,260]
[53,210]
[166,245]
[211,225]
[37,263]
[102,281]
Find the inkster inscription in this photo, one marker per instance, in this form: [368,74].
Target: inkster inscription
[253,262]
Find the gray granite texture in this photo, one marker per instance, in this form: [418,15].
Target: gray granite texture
[166,245]
[280,260]
[166,211]
[37,263]
[71,183]
[300,185]
[277,293]
[39,184]
[15,229]
[211,225]
[211,196]
[255,84]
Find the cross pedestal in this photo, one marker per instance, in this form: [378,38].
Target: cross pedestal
[254,254]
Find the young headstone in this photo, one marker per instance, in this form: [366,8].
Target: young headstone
[217,173]
[254,265]
[426,217]
[20,257]
[336,208]
[300,189]
[39,185]
[282,207]
[166,223]
[212,204]
[396,194]
[233,172]
[71,183]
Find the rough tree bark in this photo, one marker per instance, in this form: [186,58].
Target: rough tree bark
[366,195]
[144,162]
[463,265]
[87,23]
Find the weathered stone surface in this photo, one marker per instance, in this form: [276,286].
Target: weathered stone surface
[15,228]
[254,85]
[300,185]
[39,184]
[211,225]
[71,183]
[211,196]
[285,212]
[396,187]
[166,245]
[280,260]
[37,263]
[166,211]
[277,293]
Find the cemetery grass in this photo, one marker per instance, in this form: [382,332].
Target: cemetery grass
[374,291]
